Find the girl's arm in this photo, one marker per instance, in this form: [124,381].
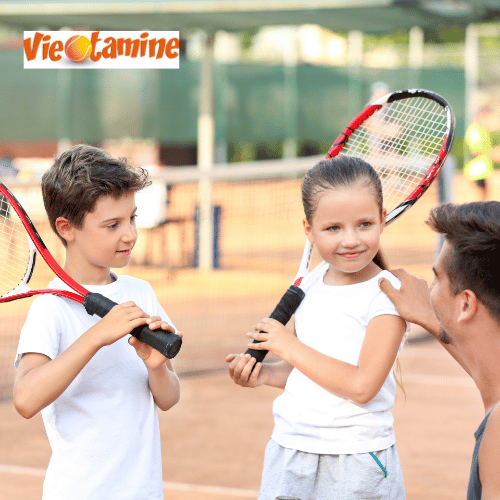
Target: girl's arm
[242,371]
[359,383]
[41,380]
[163,381]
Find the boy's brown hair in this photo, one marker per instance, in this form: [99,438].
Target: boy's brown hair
[82,175]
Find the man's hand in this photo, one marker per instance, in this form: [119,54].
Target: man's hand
[412,300]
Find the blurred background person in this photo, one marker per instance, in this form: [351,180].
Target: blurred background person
[481,148]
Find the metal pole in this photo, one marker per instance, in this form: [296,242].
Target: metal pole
[445,188]
[355,61]
[415,55]
[64,114]
[206,140]
[471,67]
[290,61]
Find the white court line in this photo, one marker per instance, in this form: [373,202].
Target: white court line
[196,488]
[422,352]
[442,380]
[214,490]
[19,469]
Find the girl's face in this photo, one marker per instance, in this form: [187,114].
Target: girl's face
[346,229]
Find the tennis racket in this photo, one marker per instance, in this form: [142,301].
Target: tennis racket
[406,136]
[19,245]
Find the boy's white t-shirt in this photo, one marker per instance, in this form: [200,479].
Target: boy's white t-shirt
[333,321]
[103,429]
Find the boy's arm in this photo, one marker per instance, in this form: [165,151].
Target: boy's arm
[489,458]
[41,380]
[163,381]
[412,301]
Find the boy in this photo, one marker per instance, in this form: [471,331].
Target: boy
[98,396]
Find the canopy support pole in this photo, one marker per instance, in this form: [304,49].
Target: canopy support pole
[206,148]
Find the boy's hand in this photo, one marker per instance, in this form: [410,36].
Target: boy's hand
[120,321]
[273,337]
[240,370]
[152,358]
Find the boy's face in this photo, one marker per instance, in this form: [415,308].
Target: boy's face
[107,236]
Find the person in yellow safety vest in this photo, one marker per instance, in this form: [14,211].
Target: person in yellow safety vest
[481,153]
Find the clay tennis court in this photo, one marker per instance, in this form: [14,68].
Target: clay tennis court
[213,441]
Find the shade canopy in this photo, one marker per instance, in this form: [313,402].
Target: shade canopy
[370,16]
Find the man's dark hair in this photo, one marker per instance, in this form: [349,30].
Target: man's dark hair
[82,175]
[473,231]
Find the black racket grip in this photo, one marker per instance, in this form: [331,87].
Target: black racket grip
[282,313]
[167,343]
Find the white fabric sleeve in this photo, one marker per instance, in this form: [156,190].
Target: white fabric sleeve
[381,304]
[41,330]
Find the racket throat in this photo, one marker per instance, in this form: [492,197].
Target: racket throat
[95,303]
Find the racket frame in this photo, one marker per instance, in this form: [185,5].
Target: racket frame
[343,138]
[36,244]
[167,343]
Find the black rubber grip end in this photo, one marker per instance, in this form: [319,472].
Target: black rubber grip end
[167,343]
[282,312]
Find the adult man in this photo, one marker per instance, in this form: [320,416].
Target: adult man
[462,310]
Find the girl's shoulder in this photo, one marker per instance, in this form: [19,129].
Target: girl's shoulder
[395,282]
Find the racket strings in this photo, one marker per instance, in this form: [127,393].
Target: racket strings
[15,249]
[401,141]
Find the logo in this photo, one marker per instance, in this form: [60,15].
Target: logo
[101,49]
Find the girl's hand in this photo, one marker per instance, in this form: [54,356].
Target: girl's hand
[273,336]
[152,358]
[242,371]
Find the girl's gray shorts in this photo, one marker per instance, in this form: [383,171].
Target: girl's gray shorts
[309,476]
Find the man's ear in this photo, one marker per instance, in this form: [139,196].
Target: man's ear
[308,230]
[65,229]
[468,305]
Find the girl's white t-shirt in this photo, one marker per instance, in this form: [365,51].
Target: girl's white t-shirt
[333,321]
[103,429]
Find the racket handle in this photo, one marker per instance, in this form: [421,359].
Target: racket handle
[282,313]
[167,343]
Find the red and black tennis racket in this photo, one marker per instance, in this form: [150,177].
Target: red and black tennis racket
[19,245]
[406,136]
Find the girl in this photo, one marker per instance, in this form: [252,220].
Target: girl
[333,434]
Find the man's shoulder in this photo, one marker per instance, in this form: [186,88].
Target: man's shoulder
[494,419]
[489,454]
